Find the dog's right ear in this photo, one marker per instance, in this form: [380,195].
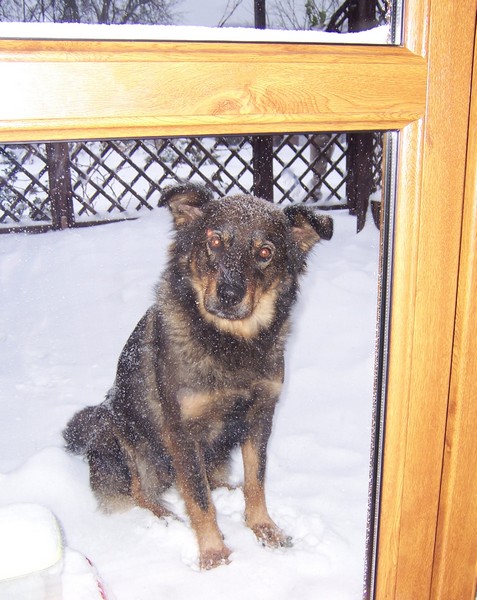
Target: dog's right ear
[185,201]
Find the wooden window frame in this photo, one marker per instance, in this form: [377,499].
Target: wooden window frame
[53,90]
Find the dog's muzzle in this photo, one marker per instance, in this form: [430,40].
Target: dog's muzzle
[230,300]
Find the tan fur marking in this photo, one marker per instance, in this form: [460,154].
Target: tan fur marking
[203,522]
[114,504]
[182,210]
[269,387]
[212,550]
[194,405]
[256,512]
[262,315]
[255,505]
[141,500]
[219,477]
[150,376]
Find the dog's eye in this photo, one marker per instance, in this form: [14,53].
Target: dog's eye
[214,240]
[265,253]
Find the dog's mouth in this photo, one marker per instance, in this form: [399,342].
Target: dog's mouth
[244,320]
[224,310]
[229,297]
[240,309]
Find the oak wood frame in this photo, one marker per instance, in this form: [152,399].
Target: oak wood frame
[171,88]
[62,90]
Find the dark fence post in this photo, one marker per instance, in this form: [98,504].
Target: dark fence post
[59,175]
[359,158]
[260,14]
[262,145]
[359,177]
[262,148]
[362,15]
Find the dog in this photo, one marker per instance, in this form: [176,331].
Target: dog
[203,369]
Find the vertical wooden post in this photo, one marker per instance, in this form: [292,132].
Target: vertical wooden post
[359,158]
[59,175]
[262,146]
[455,552]
[362,15]
[260,13]
[359,178]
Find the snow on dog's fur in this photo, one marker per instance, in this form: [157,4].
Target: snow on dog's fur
[203,369]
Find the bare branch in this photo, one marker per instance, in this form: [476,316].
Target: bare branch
[229,10]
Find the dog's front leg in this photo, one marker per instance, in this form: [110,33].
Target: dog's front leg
[254,454]
[191,480]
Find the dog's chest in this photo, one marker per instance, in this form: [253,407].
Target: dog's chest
[230,402]
[208,404]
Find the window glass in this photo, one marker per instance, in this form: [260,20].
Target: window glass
[365,21]
[72,295]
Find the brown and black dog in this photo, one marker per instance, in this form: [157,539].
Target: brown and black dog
[203,369]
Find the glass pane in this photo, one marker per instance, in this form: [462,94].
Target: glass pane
[71,297]
[312,21]
[290,15]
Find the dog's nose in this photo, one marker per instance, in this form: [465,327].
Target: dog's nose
[230,294]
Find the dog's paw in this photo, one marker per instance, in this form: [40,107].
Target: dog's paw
[272,536]
[210,559]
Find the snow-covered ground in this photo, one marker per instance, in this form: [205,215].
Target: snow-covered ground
[68,303]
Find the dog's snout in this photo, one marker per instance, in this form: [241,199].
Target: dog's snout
[230,293]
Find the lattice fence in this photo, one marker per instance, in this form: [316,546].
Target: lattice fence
[106,180]
[24,191]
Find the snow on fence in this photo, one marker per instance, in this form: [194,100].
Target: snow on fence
[67,184]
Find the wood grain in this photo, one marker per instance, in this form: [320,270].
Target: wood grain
[428,229]
[73,90]
[405,269]
[51,91]
[456,543]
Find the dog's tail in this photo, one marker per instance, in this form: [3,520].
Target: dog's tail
[81,430]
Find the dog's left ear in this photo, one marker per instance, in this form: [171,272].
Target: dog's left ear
[185,201]
[308,228]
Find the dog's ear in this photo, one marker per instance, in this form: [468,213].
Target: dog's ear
[308,228]
[185,201]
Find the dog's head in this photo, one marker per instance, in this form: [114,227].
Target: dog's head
[241,255]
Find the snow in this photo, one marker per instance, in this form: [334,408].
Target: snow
[69,301]
[30,540]
[82,31]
